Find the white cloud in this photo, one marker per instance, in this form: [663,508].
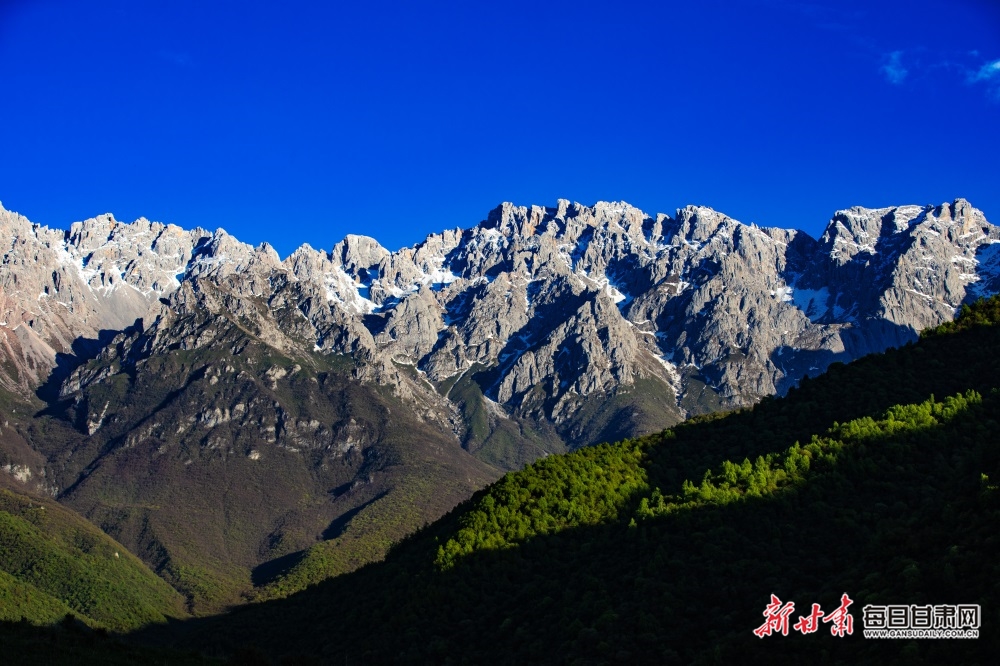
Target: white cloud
[989,75]
[894,71]
[988,71]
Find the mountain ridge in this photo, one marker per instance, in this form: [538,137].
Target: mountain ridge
[366,392]
[680,301]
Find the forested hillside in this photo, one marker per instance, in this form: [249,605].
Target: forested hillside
[67,591]
[54,563]
[878,480]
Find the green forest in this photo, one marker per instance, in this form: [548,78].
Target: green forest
[878,479]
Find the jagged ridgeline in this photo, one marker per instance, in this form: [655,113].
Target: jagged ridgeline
[877,479]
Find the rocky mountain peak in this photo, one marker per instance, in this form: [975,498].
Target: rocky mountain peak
[699,224]
[356,253]
[307,263]
[960,212]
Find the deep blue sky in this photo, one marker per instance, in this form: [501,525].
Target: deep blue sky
[301,122]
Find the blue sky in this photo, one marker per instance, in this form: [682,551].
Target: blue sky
[301,122]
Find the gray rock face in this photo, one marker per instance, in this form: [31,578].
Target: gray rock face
[58,288]
[546,311]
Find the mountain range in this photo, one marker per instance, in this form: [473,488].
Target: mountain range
[249,425]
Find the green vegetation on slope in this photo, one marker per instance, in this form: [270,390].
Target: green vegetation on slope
[984,312]
[588,487]
[53,562]
[19,599]
[666,549]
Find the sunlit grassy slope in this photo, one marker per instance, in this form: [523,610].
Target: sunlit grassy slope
[53,562]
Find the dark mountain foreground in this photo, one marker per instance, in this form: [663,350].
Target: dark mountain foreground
[877,480]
